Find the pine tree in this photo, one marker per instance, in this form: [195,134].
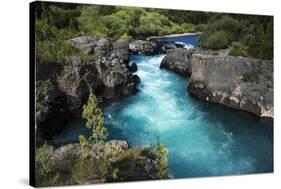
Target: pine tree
[95,119]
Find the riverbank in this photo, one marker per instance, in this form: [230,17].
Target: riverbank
[172,35]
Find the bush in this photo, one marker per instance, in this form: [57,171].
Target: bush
[220,33]
[238,49]
[153,23]
[91,170]
[188,28]
[217,40]
[200,27]
[117,24]
[45,174]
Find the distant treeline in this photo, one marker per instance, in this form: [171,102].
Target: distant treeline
[245,35]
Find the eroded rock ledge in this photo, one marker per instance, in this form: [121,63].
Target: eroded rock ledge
[236,82]
[178,60]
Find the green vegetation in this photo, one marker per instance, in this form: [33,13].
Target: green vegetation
[245,35]
[45,173]
[162,154]
[56,23]
[95,120]
[53,27]
[238,49]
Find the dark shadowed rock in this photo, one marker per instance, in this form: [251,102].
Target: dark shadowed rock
[167,47]
[178,60]
[52,113]
[236,82]
[133,67]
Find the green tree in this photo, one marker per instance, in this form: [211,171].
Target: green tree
[162,155]
[95,119]
[91,21]
[153,23]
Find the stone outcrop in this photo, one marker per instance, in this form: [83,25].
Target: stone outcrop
[52,111]
[103,69]
[236,82]
[178,60]
[132,163]
[143,47]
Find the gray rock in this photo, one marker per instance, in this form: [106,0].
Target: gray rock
[167,47]
[143,47]
[178,60]
[133,67]
[236,82]
[106,73]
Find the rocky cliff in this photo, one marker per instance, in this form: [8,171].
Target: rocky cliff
[103,69]
[178,60]
[236,82]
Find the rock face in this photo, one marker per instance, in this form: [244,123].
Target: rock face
[107,74]
[104,70]
[144,47]
[236,82]
[178,60]
[52,111]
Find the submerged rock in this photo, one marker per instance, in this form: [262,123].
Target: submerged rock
[178,60]
[236,82]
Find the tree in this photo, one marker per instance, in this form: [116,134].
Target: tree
[162,155]
[91,21]
[95,120]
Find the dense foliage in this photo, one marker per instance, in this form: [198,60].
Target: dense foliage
[56,23]
[245,35]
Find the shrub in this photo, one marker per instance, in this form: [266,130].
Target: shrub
[200,27]
[220,33]
[238,49]
[217,40]
[91,170]
[45,173]
[188,28]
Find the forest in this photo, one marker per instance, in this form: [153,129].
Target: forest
[244,35]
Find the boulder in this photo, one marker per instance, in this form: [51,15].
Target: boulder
[178,60]
[143,47]
[236,82]
[133,67]
[167,47]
